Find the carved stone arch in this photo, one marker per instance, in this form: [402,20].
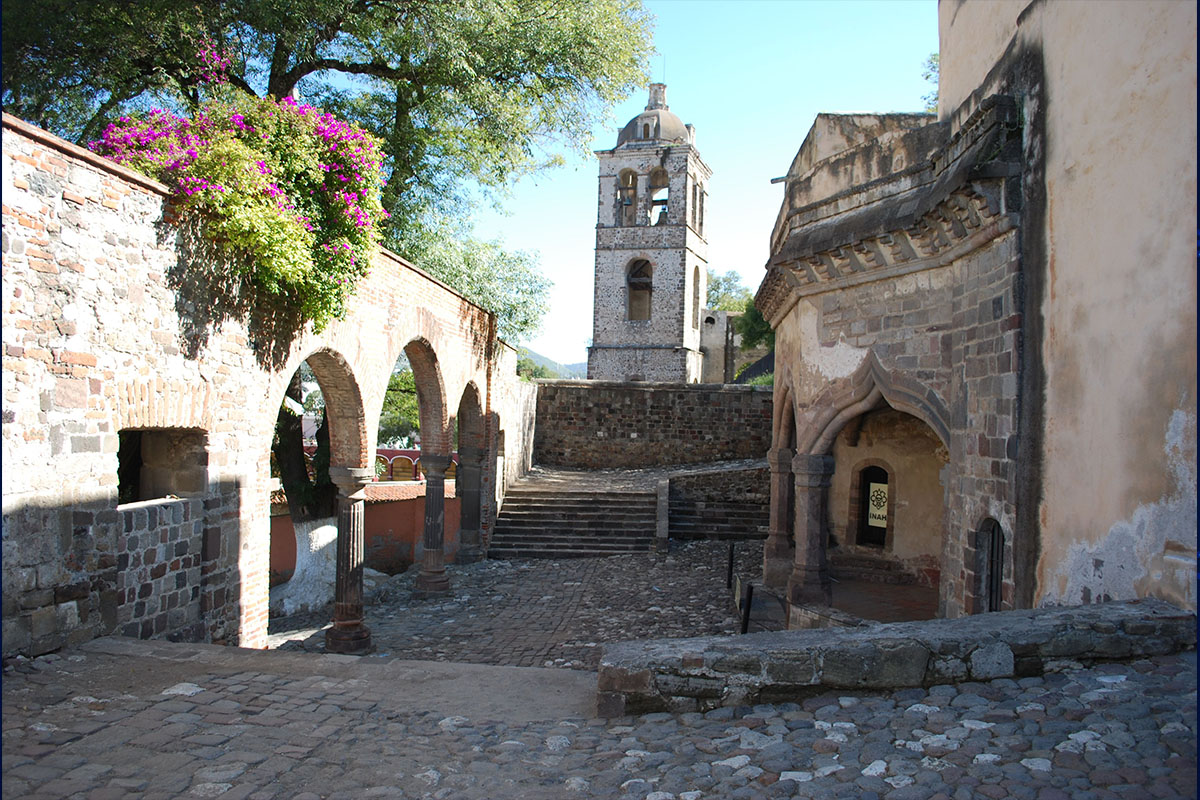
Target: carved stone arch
[869,386]
[431,396]
[784,429]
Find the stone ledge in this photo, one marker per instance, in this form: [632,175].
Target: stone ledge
[703,673]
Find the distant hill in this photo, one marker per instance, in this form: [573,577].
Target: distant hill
[562,370]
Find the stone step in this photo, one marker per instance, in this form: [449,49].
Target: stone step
[527,495]
[569,535]
[570,542]
[505,554]
[577,513]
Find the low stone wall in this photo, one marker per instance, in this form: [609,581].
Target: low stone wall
[747,485]
[706,672]
[610,424]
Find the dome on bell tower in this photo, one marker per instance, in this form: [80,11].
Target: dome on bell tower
[655,125]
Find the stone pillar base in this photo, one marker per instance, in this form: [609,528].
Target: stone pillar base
[354,640]
[431,585]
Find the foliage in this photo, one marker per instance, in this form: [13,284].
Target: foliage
[754,329]
[930,72]
[508,283]
[530,370]
[766,379]
[726,292]
[467,94]
[291,194]
[400,417]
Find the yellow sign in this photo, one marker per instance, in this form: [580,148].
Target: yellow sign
[877,497]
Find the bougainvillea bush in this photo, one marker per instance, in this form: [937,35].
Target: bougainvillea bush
[292,195]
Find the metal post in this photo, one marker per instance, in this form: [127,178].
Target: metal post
[746,607]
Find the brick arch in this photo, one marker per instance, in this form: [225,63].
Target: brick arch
[870,386]
[348,434]
[431,396]
[151,402]
[472,432]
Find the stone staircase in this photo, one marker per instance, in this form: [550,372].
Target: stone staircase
[690,519]
[539,521]
[859,566]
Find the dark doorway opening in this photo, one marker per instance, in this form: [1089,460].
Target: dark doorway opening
[873,507]
[993,540]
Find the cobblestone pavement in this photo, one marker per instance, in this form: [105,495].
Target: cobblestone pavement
[120,718]
[547,612]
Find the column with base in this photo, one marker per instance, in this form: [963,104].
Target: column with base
[809,583]
[349,634]
[470,469]
[432,580]
[777,550]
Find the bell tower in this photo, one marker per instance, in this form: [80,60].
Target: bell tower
[651,254]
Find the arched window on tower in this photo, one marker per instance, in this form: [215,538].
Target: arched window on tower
[659,196]
[695,205]
[627,198]
[639,287]
[645,130]
[695,297]
[700,229]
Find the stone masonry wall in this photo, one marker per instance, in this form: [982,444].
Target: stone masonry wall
[603,425]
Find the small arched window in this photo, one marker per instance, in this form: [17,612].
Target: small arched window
[627,198]
[695,297]
[639,284]
[701,226]
[645,130]
[695,205]
[660,190]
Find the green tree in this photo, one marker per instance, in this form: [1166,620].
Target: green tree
[467,94]
[726,292]
[930,72]
[400,417]
[755,330]
[529,369]
[508,283]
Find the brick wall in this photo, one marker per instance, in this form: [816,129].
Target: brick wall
[601,424]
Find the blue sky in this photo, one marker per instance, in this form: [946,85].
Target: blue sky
[751,76]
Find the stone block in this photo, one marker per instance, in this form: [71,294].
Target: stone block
[43,622]
[993,660]
[619,679]
[881,664]
[609,705]
[16,633]
[744,663]
[688,686]
[792,668]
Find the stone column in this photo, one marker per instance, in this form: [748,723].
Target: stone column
[470,540]
[432,580]
[809,583]
[349,634]
[777,550]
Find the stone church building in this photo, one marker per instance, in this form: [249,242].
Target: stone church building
[986,320]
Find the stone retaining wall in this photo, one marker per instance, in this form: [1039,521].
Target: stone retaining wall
[609,424]
[706,672]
